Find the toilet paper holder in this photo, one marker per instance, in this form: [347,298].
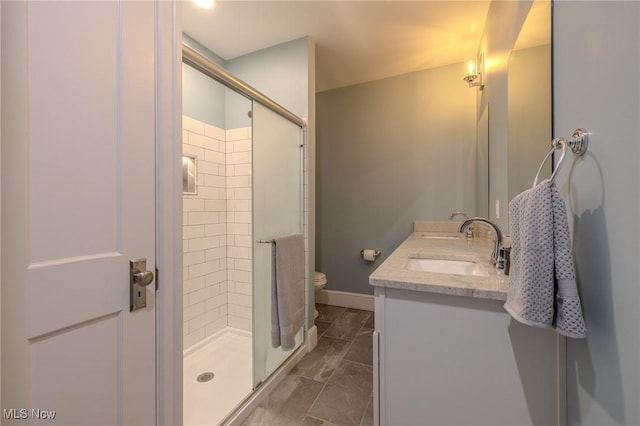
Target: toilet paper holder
[376,254]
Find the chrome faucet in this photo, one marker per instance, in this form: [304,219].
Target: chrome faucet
[497,257]
[470,228]
[454,214]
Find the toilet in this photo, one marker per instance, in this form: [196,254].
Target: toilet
[319,282]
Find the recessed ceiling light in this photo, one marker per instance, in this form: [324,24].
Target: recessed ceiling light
[205,4]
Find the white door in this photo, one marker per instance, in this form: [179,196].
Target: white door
[78,203]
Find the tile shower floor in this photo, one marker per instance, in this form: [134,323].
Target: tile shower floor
[333,384]
[228,356]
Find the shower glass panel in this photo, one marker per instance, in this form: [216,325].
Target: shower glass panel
[277,211]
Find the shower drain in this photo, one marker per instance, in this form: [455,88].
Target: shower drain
[205,377]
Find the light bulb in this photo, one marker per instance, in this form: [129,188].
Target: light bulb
[470,67]
[205,4]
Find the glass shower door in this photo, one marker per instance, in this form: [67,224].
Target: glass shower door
[277,211]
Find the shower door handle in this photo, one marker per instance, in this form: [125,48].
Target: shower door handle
[139,279]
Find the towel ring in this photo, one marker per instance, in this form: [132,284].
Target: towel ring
[578,142]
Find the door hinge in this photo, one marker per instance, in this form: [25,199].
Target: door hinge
[157,285]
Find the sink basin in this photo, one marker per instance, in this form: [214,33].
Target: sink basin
[445,266]
[441,237]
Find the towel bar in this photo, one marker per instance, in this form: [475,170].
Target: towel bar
[578,142]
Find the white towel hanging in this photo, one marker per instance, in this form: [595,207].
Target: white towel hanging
[542,282]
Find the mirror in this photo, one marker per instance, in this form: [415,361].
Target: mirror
[517,44]
[529,100]
[482,164]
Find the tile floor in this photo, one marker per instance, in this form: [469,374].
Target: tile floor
[333,384]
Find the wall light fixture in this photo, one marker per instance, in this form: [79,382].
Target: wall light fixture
[474,72]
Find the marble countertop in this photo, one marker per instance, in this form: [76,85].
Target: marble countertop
[393,272]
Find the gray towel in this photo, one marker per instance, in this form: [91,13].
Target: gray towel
[542,282]
[287,290]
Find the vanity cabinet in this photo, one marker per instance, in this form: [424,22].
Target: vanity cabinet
[446,359]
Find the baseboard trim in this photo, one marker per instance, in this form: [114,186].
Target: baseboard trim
[312,338]
[346,299]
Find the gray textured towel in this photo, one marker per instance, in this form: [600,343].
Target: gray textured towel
[542,281]
[287,290]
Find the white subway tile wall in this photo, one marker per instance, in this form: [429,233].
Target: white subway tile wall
[204,234]
[238,208]
[217,231]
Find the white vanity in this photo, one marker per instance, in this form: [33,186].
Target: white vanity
[446,351]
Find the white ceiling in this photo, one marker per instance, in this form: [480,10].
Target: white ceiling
[356,41]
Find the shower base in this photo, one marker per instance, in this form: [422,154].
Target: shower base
[226,354]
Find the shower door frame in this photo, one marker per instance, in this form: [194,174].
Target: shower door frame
[263,355]
[204,65]
[219,74]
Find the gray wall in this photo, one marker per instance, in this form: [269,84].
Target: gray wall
[280,72]
[596,69]
[202,97]
[390,152]
[196,45]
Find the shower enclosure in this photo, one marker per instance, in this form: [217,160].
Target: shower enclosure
[243,183]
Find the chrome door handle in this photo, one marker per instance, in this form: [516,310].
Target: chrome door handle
[139,279]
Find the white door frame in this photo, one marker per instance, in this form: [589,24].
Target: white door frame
[169,212]
[0,194]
